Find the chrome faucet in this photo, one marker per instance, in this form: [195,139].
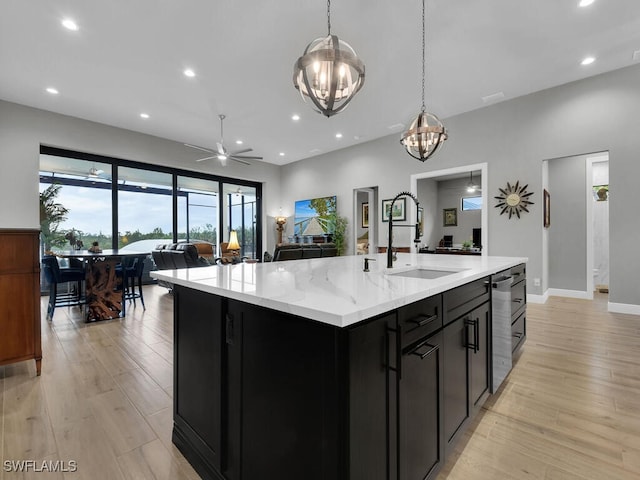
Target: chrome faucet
[390,256]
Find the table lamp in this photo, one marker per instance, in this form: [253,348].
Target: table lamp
[233,243]
[280,221]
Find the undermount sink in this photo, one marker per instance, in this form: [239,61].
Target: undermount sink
[425,273]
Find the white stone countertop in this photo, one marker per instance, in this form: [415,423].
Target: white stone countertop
[336,290]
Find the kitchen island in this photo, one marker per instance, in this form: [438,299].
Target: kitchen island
[316,369]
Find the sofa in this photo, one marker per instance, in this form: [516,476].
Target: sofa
[298,251]
[177,255]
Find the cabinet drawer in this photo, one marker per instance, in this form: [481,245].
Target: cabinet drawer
[463,299]
[518,331]
[518,299]
[519,273]
[420,318]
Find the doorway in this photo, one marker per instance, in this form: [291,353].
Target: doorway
[578,231]
[365,223]
[424,186]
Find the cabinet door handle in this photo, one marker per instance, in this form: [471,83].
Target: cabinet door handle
[518,300]
[229,329]
[518,334]
[399,352]
[476,328]
[476,334]
[398,341]
[423,355]
[422,320]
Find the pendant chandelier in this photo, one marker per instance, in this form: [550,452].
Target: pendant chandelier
[329,73]
[426,134]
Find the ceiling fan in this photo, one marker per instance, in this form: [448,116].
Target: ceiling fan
[222,153]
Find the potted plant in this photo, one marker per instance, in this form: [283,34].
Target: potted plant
[338,225]
[52,214]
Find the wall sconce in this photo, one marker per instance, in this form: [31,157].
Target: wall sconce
[233,243]
[280,222]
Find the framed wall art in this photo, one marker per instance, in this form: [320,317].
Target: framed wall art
[450,217]
[547,209]
[399,210]
[365,215]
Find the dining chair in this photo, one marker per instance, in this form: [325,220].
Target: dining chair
[55,276]
[131,270]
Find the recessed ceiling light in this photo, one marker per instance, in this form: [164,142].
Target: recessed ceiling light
[295,117]
[144,115]
[70,24]
[189,73]
[238,142]
[588,61]
[585,3]
[52,91]
[282,154]
[338,135]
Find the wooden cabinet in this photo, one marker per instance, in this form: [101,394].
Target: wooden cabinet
[420,397]
[20,297]
[284,398]
[264,394]
[518,306]
[197,400]
[467,356]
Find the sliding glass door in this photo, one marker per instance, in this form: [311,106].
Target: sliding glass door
[125,204]
[240,213]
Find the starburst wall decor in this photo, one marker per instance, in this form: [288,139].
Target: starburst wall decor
[514,199]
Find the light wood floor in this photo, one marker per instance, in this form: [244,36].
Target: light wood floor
[570,409]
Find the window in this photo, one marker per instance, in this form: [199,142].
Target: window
[472,203]
[145,206]
[120,202]
[83,189]
[198,210]
[241,216]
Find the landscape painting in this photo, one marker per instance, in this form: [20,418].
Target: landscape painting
[315,216]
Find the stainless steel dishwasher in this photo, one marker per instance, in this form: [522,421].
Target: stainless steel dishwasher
[501,326]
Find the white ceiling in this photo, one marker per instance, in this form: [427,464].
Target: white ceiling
[128,57]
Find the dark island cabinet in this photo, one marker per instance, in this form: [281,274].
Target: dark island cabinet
[263,394]
[198,382]
[467,357]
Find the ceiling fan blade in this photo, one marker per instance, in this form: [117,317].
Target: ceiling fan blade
[239,160]
[244,150]
[248,157]
[206,158]
[198,148]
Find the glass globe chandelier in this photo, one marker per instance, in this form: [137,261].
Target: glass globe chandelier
[329,73]
[426,133]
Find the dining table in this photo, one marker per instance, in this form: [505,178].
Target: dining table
[104,288]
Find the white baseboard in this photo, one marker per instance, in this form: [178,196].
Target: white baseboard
[560,292]
[532,298]
[624,308]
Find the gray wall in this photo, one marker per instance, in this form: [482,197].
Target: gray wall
[568,229]
[23,129]
[450,193]
[428,198]
[514,137]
